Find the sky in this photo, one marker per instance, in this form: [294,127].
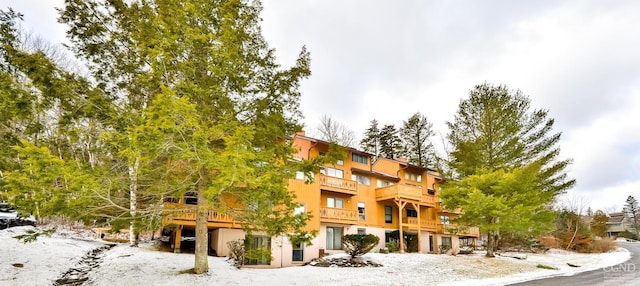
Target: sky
[387,60]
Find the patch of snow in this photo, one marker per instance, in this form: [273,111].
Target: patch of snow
[47,258]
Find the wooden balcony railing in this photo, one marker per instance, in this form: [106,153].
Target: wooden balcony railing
[399,192]
[457,230]
[186,212]
[430,200]
[336,214]
[339,185]
[429,224]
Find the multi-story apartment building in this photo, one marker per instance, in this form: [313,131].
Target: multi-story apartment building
[385,197]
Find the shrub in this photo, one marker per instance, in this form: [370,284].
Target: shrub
[391,246]
[444,248]
[236,252]
[359,244]
[598,246]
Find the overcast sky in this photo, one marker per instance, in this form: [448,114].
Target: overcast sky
[389,59]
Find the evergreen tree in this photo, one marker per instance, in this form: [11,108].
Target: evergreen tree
[415,133]
[390,144]
[212,54]
[632,212]
[371,141]
[494,130]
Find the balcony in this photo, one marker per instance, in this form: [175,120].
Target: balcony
[338,185]
[430,200]
[428,225]
[455,230]
[186,214]
[399,192]
[338,215]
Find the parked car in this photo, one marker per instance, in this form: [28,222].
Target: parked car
[10,217]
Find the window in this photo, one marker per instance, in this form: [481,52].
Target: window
[445,219]
[334,238]
[383,183]
[340,162]
[362,231]
[413,177]
[300,175]
[298,252]
[446,242]
[362,180]
[331,172]
[412,213]
[387,214]
[256,242]
[359,158]
[431,191]
[335,203]
[361,211]
[299,210]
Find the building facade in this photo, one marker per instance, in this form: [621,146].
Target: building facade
[359,194]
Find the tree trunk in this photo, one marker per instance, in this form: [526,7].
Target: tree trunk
[202,238]
[491,241]
[133,202]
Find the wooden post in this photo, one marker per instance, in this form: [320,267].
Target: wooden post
[417,207]
[177,237]
[400,232]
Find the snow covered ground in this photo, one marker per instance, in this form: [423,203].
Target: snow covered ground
[46,259]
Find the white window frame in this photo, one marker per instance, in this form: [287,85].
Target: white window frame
[362,216]
[333,172]
[334,202]
[362,180]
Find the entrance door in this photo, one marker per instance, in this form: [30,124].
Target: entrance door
[430,242]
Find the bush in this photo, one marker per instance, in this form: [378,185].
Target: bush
[598,246]
[444,248]
[359,244]
[236,252]
[391,246]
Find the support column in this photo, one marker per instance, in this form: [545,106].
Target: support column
[400,232]
[417,207]
[177,238]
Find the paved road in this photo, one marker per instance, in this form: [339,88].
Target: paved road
[627,273]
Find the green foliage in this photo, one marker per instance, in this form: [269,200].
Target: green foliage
[390,143]
[359,244]
[371,141]
[32,235]
[542,266]
[391,246]
[258,254]
[504,165]
[415,134]
[571,232]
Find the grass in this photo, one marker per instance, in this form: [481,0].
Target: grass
[546,267]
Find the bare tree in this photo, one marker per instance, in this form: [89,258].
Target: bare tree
[336,132]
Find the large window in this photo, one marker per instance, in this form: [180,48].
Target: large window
[359,158]
[331,172]
[335,202]
[446,242]
[362,180]
[413,177]
[412,213]
[334,238]
[300,176]
[361,211]
[388,214]
[258,242]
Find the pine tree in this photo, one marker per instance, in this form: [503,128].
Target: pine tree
[371,141]
[632,211]
[390,144]
[415,134]
[599,223]
[494,132]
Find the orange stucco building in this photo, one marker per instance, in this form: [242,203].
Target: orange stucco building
[360,194]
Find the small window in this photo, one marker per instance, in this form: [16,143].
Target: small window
[361,211]
[387,214]
[331,172]
[413,177]
[362,180]
[383,183]
[412,213]
[445,219]
[299,210]
[359,158]
[299,175]
[335,203]
[340,162]
[362,231]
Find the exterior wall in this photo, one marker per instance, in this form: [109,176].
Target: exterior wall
[221,236]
